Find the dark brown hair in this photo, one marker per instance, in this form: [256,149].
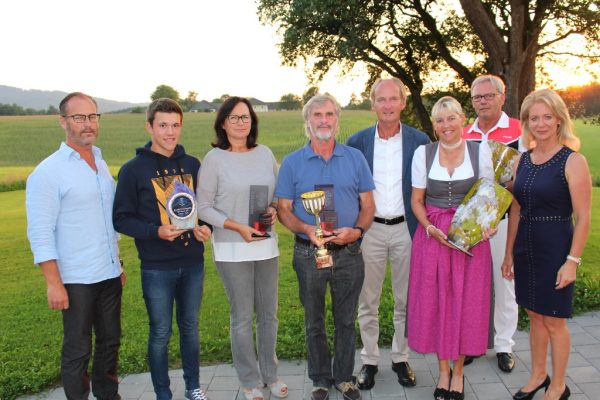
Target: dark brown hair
[221,140]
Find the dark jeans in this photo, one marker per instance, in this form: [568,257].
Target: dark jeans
[161,288]
[345,279]
[96,306]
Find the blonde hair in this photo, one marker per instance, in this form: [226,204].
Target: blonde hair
[446,103]
[566,133]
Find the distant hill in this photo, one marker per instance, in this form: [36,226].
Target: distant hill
[41,99]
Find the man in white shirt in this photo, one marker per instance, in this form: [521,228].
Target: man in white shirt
[388,147]
[487,95]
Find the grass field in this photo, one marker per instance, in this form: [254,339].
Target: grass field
[121,134]
[30,336]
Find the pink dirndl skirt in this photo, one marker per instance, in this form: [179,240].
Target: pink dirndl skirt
[448,294]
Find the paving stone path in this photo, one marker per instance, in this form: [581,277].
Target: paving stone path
[483,379]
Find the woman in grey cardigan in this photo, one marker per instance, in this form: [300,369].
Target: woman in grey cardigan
[235,194]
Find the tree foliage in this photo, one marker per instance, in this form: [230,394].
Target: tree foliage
[310,92]
[220,100]
[583,102]
[290,101]
[165,91]
[189,101]
[359,103]
[416,39]
[15,109]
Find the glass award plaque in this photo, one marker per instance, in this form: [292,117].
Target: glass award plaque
[328,215]
[258,202]
[181,207]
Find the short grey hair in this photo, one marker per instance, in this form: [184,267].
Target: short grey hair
[396,81]
[496,82]
[315,101]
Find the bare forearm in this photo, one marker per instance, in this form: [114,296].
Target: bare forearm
[290,221]
[50,270]
[513,225]
[580,235]
[418,207]
[58,298]
[367,211]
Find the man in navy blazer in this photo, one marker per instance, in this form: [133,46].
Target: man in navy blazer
[388,147]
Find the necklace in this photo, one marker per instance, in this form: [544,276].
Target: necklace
[451,146]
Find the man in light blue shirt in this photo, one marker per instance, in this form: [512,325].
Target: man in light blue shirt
[69,200]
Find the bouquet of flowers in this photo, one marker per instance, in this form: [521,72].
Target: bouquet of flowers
[503,158]
[481,209]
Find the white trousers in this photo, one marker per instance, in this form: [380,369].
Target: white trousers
[506,311]
[383,242]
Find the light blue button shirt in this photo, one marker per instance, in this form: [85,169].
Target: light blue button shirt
[69,216]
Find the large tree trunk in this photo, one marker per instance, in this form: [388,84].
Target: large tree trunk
[512,58]
[520,81]
[421,112]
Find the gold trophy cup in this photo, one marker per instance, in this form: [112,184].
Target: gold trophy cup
[313,203]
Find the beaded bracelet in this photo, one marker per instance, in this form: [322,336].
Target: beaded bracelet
[427,229]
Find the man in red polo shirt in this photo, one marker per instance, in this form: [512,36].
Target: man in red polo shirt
[487,95]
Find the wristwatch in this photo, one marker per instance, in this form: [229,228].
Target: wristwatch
[361,229]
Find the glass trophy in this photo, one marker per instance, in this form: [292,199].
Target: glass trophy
[181,207]
[258,218]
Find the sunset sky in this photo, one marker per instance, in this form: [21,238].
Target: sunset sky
[121,50]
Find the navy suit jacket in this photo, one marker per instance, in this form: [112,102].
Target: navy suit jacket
[411,139]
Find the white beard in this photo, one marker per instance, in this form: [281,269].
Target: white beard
[320,135]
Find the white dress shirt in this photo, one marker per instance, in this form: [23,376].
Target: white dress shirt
[387,174]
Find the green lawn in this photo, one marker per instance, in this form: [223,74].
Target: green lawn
[31,334]
[121,134]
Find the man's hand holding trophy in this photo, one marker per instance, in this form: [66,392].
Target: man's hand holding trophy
[313,203]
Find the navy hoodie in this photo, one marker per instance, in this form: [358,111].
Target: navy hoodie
[145,183]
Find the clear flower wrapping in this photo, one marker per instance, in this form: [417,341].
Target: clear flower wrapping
[481,209]
[503,158]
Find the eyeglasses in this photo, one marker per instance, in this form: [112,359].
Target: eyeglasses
[80,118]
[234,119]
[488,96]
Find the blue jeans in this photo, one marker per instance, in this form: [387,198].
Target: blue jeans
[161,288]
[345,279]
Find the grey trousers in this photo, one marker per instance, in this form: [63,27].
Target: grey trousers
[251,288]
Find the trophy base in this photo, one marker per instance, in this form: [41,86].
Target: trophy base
[457,247]
[324,261]
[185,225]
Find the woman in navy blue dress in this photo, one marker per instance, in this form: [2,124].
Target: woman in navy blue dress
[552,189]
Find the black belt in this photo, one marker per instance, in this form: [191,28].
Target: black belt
[392,221]
[328,245]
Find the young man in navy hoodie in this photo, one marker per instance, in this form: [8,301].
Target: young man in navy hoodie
[172,259]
